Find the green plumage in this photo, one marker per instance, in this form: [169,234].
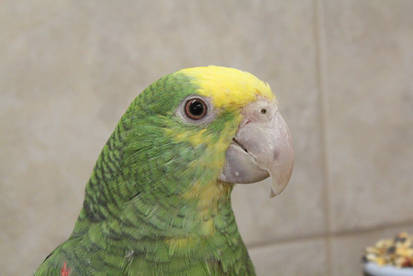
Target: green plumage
[145,211]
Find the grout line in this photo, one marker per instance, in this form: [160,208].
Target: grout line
[339,234]
[380,227]
[321,76]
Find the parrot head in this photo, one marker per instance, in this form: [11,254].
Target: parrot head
[204,125]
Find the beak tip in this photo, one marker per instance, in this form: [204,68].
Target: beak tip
[272,194]
[275,191]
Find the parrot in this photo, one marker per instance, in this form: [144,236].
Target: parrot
[158,201]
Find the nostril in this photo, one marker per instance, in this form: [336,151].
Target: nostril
[263,110]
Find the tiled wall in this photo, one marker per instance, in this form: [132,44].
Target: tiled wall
[343,73]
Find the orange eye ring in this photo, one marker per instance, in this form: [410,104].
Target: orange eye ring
[195,109]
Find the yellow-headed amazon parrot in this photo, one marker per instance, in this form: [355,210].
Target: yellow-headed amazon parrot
[158,201]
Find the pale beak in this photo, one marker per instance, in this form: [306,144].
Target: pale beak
[262,147]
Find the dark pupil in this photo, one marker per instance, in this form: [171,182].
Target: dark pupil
[196,108]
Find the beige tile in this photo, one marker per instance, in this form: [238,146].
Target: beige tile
[346,251]
[369,89]
[69,70]
[46,117]
[292,258]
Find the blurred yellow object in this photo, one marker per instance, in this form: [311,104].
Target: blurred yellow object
[397,252]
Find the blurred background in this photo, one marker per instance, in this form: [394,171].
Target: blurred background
[341,69]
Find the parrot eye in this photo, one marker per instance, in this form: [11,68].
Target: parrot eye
[195,109]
